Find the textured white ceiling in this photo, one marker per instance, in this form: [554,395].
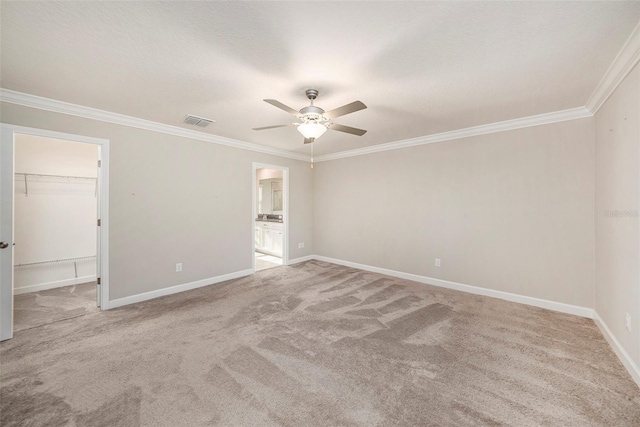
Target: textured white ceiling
[421,67]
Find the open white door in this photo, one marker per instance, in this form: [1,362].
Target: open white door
[6,234]
[98,232]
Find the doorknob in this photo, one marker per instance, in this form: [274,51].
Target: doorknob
[3,245]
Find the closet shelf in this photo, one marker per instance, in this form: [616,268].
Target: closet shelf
[63,178]
[56,261]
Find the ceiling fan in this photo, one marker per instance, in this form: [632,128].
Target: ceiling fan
[314,120]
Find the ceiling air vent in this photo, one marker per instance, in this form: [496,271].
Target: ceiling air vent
[197,121]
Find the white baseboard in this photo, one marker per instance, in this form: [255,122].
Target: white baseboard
[536,302]
[301,259]
[52,285]
[624,357]
[177,288]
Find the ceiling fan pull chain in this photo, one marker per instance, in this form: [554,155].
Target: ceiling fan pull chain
[312,155]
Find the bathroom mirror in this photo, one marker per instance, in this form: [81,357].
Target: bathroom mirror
[270,196]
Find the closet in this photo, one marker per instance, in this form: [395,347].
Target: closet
[55,203]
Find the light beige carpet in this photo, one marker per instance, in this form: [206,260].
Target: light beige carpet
[316,344]
[39,308]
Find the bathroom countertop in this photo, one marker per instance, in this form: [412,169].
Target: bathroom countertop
[270,220]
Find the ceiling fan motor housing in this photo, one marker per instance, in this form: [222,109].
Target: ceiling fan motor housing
[312,113]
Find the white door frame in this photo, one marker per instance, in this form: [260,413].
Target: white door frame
[285,210]
[8,131]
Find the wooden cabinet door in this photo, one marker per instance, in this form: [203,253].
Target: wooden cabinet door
[266,238]
[258,238]
[276,241]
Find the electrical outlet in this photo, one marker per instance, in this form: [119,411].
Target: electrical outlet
[437,262]
[627,321]
[178,267]
[300,245]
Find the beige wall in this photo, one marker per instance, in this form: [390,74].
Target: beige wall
[617,224]
[175,200]
[511,211]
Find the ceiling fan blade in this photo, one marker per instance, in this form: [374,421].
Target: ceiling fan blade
[347,129]
[309,140]
[273,127]
[281,106]
[345,109]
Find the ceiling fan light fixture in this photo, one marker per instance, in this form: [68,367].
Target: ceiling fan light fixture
[312,130]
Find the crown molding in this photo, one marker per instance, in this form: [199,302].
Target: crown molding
[39,102]
[524,122]
[622,65]
[33,101]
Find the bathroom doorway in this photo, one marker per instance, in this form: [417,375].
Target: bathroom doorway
[270,216]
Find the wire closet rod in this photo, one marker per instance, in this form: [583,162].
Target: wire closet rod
[56,176]
[55,261]
[25,175]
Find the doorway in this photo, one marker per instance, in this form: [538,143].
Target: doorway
[270,216]
[55,212]
[56,224]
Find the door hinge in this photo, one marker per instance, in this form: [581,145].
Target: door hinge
[99,222]
[98,280]
[99,163]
